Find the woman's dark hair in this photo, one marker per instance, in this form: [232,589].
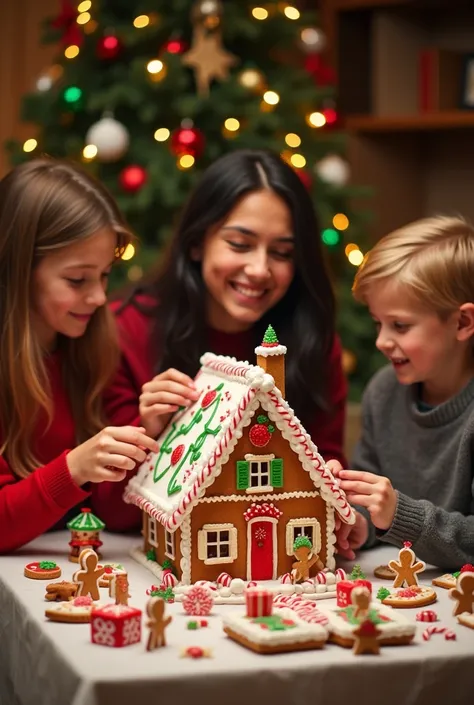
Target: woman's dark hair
[303,319]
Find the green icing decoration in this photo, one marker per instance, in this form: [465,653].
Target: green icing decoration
[302,541]
[357,573]
[373,616]
[47,565]
[270,428]
[270,337]
[192,625]
[456,574]
[86,521]
[261,418]
[382,593]
[150,555]
[274,623]
[166,595]
[193,452]
[167,564]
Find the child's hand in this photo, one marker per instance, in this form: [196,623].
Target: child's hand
[350,537]
[162,396]
[371,491]
[109,454]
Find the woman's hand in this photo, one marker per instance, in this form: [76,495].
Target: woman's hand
[108,455]
[162,396]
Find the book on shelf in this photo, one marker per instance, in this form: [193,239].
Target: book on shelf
[440,80]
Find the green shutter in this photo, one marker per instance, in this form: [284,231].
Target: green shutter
[277,472]
[242,474]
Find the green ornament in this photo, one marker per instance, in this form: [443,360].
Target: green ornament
[270,337]
[302,541]
[382,593]
[47,565]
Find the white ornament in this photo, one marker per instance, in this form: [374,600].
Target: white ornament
[44,83]
[110,137]
[333,169]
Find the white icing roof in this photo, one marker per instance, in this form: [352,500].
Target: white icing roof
[199,440]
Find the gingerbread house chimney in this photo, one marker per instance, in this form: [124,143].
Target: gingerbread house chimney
[271,357]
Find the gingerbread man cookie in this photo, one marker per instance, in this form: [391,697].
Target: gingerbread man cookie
[302,550]
[155,608]
[366,639]
[463,594]
[88,576]
[118,588]
[406,568]
[360,597]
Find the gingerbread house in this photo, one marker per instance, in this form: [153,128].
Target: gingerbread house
[237,479]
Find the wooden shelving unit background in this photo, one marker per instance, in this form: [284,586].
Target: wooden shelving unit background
[417,163]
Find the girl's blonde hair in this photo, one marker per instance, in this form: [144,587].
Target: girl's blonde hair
[46,205]
[431,259]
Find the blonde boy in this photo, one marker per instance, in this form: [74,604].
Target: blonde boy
[414,464]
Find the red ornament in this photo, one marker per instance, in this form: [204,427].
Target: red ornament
[177,454]
[187,140]
[132,178]
[259,435]
[331,115]
[323,74]
[108,47]
[175,46]
[467,568]
[66,21]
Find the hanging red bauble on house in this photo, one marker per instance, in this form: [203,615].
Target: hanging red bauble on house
[108,47]
[132,178]
[187,140]
[323,74]
[175,46]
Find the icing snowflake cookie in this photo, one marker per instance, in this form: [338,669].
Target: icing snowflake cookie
[282,631]
[342,623]
[415,596]
[75,611]
[42,570]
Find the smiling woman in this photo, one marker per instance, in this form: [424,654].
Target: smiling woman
[60,232]
[246,254]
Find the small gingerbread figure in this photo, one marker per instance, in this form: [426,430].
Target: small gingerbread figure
[302,550]
[360,597]
[88,576]
[155,608]
[61,592]
[406,568]
[118,588]
[463,594]
[366,638]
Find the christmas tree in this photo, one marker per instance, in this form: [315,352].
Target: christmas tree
[147,93]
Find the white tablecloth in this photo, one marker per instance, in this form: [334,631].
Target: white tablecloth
[46,663]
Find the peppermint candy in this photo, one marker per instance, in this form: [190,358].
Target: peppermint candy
[198,601]
[448,634]
[427,616]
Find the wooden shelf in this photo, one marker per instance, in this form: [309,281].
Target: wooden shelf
[451,120]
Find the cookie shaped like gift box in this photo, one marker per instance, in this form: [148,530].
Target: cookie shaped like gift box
[237,480]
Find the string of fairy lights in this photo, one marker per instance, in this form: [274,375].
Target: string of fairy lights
[187,135]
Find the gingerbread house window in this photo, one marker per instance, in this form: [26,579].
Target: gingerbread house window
[169,544]
[306,526]
[217,543]
[152,532]
[259,473]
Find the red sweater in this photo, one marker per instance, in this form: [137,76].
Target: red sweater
[326,429]
[31,506]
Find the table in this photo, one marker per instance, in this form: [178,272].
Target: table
[47,663]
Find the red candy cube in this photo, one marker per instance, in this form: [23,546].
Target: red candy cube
[344,589]
[116,625]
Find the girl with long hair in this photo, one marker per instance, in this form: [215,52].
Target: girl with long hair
[60,233]
[246,253]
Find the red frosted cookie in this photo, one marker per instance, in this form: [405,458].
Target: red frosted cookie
[42,570]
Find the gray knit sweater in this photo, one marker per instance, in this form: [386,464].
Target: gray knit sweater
[429,458]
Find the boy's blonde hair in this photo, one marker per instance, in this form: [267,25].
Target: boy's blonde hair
[432,259]
[46,205]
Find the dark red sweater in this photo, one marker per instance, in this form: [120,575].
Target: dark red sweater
[326,429]
[31,506]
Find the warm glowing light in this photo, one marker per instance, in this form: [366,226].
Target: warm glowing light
[141,21]
[232,124]
[355,257]
[251,78]
[71,51]
[292,13]
[89,151]
[350,248]
[186,161]
[292,140]
[260,13]
[271,97]
[155,66]
[90,27]
[128,252]
[84,6]
[316,120]
[44,83]
[83,18]
[135,273]
[30,145]
[161,134]
[340,221]
[298,161]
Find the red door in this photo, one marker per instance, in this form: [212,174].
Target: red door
[261,550]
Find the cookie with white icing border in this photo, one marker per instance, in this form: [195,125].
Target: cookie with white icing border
[395,629]
[76,611]
[414,596]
